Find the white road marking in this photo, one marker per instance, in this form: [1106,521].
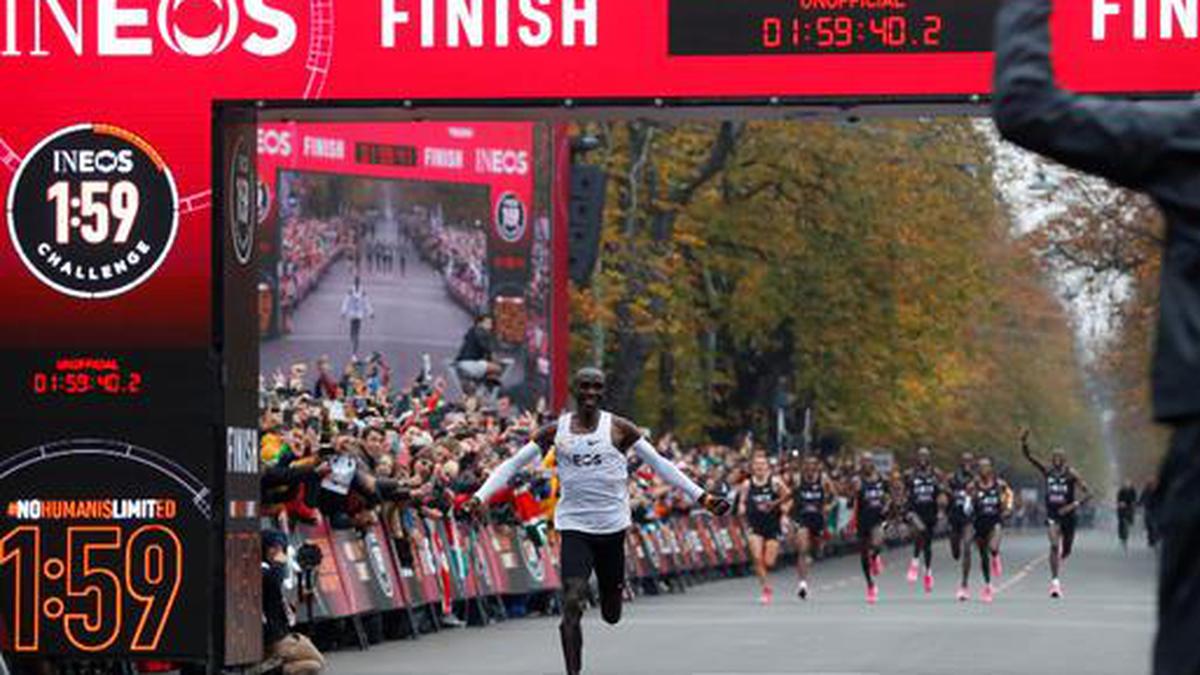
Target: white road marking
[1020,576]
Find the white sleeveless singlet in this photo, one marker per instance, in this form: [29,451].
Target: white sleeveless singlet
[593,476]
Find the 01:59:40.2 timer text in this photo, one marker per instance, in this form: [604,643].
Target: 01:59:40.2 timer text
[840,32]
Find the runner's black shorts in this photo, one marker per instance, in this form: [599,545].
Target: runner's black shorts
[867,522]
[813,522]
[958,520]
[927,516]
[583,553]
[1066,525]
[984,526]
[767,527]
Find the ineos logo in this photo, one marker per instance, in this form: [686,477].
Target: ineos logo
[583,460]
[90,161]
[118,34]
[501,162]
[275,143]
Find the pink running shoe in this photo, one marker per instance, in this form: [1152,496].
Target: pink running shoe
[914,569]
[767,595]
[872,595]
[928,582]
[1056,589]
[963,594]
[997,566]
[987,595]
[876,565]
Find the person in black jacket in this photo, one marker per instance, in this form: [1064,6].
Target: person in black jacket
[476,361]
[293,653]
[1154,147]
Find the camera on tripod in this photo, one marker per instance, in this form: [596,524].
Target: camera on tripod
[309,557]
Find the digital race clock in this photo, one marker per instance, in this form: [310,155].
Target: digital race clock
[382,154]
[86,376]
[781,27]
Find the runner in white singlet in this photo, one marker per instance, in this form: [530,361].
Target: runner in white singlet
[591,448]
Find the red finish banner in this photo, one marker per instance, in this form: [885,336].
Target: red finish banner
[153,68]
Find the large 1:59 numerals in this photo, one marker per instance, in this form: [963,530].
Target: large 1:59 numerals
[95,212]
[92,609]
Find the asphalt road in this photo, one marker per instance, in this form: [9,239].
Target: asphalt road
[414,314]
[1103,626]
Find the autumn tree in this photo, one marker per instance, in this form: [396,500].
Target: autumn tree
[865,270]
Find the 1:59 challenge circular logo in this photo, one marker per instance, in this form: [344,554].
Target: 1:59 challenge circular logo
[93,211]
[510,218]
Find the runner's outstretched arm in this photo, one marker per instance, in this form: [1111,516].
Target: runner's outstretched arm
[627,436]
[504,473]
[666,470]
[1124,141]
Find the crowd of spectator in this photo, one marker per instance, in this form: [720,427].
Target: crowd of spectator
[349,445]
[457,250]
[310,246]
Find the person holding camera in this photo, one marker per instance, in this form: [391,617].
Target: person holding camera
[294,653]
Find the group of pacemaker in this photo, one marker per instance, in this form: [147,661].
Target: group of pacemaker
[973,499]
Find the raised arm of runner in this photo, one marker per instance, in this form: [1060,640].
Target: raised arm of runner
[1124,141]
[1025,450]
[504,473]
[508,469]
[666,470]
[627,437]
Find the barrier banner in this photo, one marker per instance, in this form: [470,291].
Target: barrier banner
[453,567]
[741,549]
[512,561]
[635,562]
[407,577]
[461,555]
[392,591]
[646,545]
[712,532]
[672,545]
[721,528]
[539,564]
[441,560]
[658,553]
[424,563]
[350,554]
[702,525]
[689,541]
[478,543]
[329,599]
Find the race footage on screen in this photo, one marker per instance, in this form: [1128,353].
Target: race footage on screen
[406,253]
